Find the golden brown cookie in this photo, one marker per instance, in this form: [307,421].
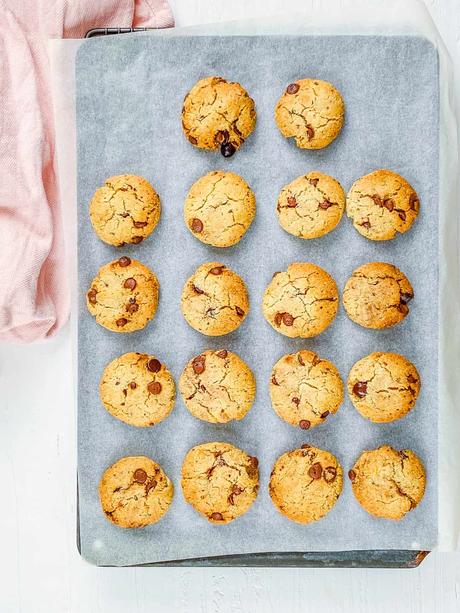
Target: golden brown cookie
[312,112]
[219,208]
[383,386]
[311,205]
[137,389]
[388,483]
[135,492]
[217,386]
[305,484]
[381,204]
[125,209]
[302,301]
[214,299]
[123,297]
[305,389]
[218,114]
[220,481]
[376,295]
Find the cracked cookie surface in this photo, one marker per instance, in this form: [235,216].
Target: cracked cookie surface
[135,492]
[137,389]
[220,481]
[217,386]
[388,483]
[312,112]
[218,114]
[301,301]
[310,206]
[125,210]
[305,389]
[214,299]
[305,484]
[123,297]
[376,295]
[219,208]
[383,386]
[381,204]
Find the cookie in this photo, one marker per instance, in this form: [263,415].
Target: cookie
[305,389]
[376,295]
[305,484]
[137,389]
[217,386]
[123,297]
[135,492]
[311,205]
[219,208]
[381,204]
[302,301]
[214,300]
[383,386]
[220,481]
[125,210]
[388,483]
[218,114]
[310,111]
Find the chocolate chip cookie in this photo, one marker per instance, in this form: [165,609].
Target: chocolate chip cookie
[123,297]
[381,204]
[388,483]
[310,206]
[217,386]
[219,208]
[310,111]
[125,210]
[215,299]
[218,114]
[305,484]
[383,386]
[305,389]
[376,295]
[220,481]
[137,389]
[302,301]
[135,492]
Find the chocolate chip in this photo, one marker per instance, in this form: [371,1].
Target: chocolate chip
[274,381]
[150,485]
[192,139]
[329,474]
[223,353]
[217,270]
[124,261]
[288,320]
[137,239]
[132,307]
[130,283]
[351,475]
[221,136]
[411,379]
[198,365]
[402,215]
[139,224]
[275,273]
[154,365]
[310,131]
[140,475]
[324,205]
[239,311]
[125,393]
[296,400]
[291,202]
[389,204]
[315,471]
[133,385]
[154,387]
[316,360]
[197,289]
[413,202]
[304,424]
[292,88]
[121,322]
[92,296]
[405,297]
[236,491]
[278,319]
[196,225]
[360,389]
[325,414]
[305,446]
[254,462]
[124,215]
[403,308]
[377,200]
[217,516]
[227,149]
[313,182]
[366,224]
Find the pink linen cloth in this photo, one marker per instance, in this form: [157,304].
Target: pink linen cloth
[34,290]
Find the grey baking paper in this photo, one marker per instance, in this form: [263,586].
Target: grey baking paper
[129,98]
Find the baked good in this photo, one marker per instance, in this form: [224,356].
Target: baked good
[137,389]
[220,481]
[388,483]
[123,297]
[125,210]
[301,301]
[219,208]
[135,492]
[383,386]
[311,205]
[310,111]
[305,389]
[305,484]
[376,295]
[214,299]
[218,114]
[217,386]
[381,204]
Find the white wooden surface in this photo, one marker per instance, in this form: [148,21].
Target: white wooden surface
[40,569]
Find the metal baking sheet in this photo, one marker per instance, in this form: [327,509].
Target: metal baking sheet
[129,97]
